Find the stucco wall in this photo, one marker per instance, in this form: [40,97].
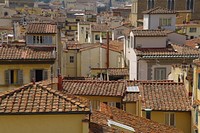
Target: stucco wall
[26,73]
[41,123]
[182,119]
[151,42]
[131,108]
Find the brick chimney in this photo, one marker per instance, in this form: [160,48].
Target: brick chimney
[60,87]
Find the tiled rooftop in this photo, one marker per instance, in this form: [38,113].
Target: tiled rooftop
[41,28]
[149,33]
[100,118]
[94,88]
[194,43]
[115,71]
[175,51]
[161,96]
[159,10]
[25,53]
[30,99]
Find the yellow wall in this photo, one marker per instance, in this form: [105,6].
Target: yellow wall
[42,123]
[131,108]
[182,119]
[26,73]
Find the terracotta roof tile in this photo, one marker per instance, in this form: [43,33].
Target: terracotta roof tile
[100,118]
[175,51]
[94,88]
[114,71]
[39,99]
[194,43]
[25,53]
[149,33]
[162,96]
[159,10]
[41,28]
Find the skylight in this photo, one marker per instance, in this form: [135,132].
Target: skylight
[132,89]
[111,122]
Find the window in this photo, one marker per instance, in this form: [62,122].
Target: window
[170,119]
[71,59]
[115,104]
[97,37]
[86,36]
[38,75]
[148,114]
[190,5]
[14,76]
[170,4]
[95,104]
[193,29]
[150,4]
[198,80]
[160,73]
[165,22]
[39,40]
[82,29]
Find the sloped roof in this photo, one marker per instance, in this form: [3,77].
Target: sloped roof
[41,28]
[159,10]
[149,33]
[174,51]
[162,96]
[94,88]
[30,99]
[99,119]
[8,53]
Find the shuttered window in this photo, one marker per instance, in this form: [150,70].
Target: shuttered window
[170,119]
[38,74]
[198,80]
[29,39]
[14,76]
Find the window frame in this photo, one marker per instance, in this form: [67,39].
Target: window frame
[160,69]
[169,119]
[171,4]
[193,29]
[71,59]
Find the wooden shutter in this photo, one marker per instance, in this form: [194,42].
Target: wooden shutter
[32,75]
[45,74]
[29,39]
[198,80]
[20,77]
[7,77]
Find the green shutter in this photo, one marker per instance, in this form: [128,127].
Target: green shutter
[45,74]
[7,77]
[32,75]
[20,77]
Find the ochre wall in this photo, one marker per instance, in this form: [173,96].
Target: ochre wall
[42,123]
[26,73]
[182,119]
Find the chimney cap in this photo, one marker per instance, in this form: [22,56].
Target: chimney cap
[148,110]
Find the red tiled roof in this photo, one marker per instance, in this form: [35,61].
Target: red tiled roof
[193,42]
[100,118]
[149,33]
[114,71]
[41,28]
[175,51]
[25,53]
[37,98]
[94,88]
[162,96]
[159,10]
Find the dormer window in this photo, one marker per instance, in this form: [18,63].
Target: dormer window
[170,4]
[150,4]
[38,39]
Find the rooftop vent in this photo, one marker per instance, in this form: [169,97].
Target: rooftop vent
[132,89]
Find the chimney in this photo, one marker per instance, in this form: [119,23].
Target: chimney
[60,87]
[148,113]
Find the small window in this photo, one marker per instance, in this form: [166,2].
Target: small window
[198,80]
[95,104]
[71,59]
[190,5]
[118,105]
[160,73]
[170,4]
[14,76]
[150,4]
[170,119]
[97,37]
[193,29]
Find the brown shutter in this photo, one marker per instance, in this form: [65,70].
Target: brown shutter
[45,74]
[20,77]
[7,77]
[32,75]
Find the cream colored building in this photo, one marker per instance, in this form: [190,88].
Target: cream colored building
[78,59]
